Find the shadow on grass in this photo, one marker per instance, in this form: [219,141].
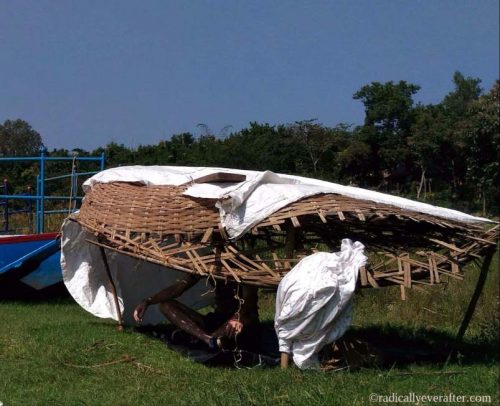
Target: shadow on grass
[405,346]
[394,346]
[16,291]
[260,350]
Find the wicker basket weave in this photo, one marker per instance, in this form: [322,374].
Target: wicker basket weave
[161,225]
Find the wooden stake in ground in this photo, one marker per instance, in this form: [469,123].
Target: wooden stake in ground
[285,360]
[113,289]
[485,266]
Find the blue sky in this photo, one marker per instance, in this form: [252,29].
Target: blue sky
[85,73]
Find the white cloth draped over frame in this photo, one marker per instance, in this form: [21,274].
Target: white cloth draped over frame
[314,302]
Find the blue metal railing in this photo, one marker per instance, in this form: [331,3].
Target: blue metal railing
[4,202]
[40,196]
[7,212]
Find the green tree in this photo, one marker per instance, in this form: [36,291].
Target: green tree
[117,154]
[456,105]
[355,162]
[388,106]
[388,119]
[467,89]
[316,140]
[482,145]
[259,147]
[18,138]
[179,146]
[428,144]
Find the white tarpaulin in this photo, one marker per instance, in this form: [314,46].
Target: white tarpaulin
[314,302]
[245,204]
[86,280]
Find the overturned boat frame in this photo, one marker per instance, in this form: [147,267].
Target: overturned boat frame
[161,225]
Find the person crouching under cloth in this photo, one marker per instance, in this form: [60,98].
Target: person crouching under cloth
[235,314]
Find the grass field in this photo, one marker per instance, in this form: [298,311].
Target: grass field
[54,353]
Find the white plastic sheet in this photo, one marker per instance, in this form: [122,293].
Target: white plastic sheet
[86,280]
[314,302]
[245,204]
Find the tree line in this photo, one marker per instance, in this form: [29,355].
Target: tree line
[445,153]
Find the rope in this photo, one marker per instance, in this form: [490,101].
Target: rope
[237,352]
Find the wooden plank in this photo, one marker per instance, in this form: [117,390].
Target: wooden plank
[446,245]
[379,275]
[273,221]
[322,216]
[295,221]
[244,267]
[207,235]
[277,263]
[479,239]
[398,280]
[371,280]
[364,278]
[164,262]
[156,247]
[436,273]
[264,265]
[417,263]
[221,177]
[360,215]
[451,275]
[200,260]
[230,270]
[431,271]
[407,277]
[400,265]
[194,262]
[250,261]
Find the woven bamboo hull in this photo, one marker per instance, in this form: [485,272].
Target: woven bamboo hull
[160,225]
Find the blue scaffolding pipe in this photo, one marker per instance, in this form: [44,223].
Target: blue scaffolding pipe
[40,184]
[49,158]
[23,197]
[37,204]
[5,203]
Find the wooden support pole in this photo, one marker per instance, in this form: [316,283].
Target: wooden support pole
[485,266]
[473,302]
[290,241]
[291,233]
[113,289]
[285,360]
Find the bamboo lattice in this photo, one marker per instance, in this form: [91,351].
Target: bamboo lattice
[161,225]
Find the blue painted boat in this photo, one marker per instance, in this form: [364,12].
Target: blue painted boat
[30,265]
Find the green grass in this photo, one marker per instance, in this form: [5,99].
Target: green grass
[52,353]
